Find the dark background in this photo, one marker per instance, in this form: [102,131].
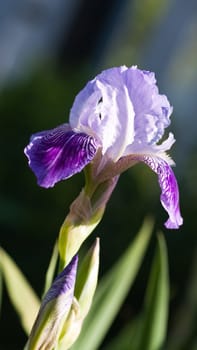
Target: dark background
[48,51]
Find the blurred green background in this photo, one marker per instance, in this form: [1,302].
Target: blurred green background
[48,51]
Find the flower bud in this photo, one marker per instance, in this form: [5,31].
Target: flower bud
[54,310]
[87,279]
[84,291]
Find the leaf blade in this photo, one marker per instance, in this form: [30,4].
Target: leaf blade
[112,292]
[155,318]
[21,294]
[51,269]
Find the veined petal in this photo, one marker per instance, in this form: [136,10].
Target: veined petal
[59,153]
[169,188]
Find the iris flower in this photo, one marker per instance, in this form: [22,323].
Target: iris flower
[121,116]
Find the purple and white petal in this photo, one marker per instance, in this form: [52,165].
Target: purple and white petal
[123,108]
[169,189]
[59,153]
[103,108]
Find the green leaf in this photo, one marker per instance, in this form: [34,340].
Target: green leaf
[183,329]
[127,338]
[148,330]
[112,291]
[155,318]
[20,292]
[1,289]
[51,269]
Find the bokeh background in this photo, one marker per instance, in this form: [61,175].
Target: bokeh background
[48,51]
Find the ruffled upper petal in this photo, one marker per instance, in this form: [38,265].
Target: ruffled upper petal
[152,110]
[169,189]
[123,108]
[104,108]
[59,153]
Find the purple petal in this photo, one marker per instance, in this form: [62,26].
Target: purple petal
[169,189]
[59,153]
